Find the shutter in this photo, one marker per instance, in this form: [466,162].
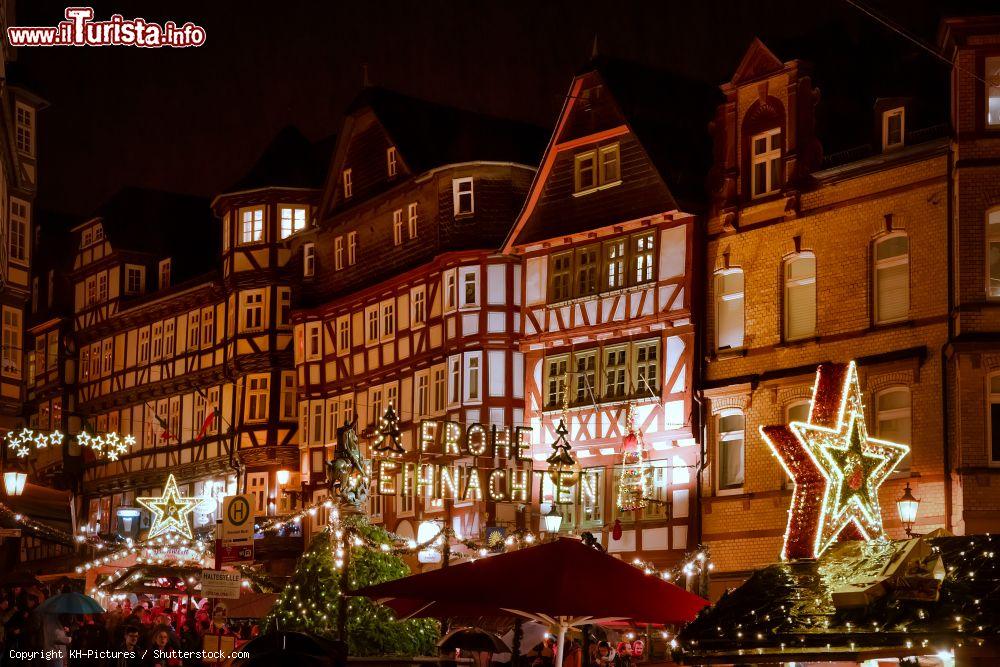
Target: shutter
[800,311]
[893,297]
[731,323]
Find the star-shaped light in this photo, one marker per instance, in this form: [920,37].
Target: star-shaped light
[836,467]
[170,511]
[56,438]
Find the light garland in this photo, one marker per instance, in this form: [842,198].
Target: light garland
[111,444]
[23,441]
[836,468]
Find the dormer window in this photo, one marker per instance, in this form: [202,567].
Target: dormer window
[390,161]
[596,169]
[765,162]
[348,184]
[893,127]
[293,219]
[463,197]
[164,274]
[993,92]
[251,225]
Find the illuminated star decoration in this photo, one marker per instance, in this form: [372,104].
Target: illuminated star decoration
[836,467]
[170,511]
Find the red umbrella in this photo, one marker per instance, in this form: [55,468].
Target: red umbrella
[563,583]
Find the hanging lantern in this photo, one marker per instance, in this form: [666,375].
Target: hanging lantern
[633,483]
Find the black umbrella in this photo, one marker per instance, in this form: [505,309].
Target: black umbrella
[473,639]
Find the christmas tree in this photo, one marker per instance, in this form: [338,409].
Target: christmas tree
[310,601]
[388,435]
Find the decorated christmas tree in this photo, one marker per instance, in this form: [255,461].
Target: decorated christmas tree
[310,601]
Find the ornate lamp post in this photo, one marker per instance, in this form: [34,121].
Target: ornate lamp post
[907,507]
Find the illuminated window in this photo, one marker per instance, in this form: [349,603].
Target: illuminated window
[892,278]
[591,497]
[463,197]
[893,128]
[390,161]
[293,219]
[729,314]
[555,371]
[256,398]
[411,220]
[348,184]
[257,488]
[731,425]
[397,227]
[614,264]
[992,72]
[893,419]
[800,297]
[765,162]
[252,225]
[643,256]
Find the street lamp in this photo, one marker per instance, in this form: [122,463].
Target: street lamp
[907,507]
[284,476]
[13,482]
[553,519]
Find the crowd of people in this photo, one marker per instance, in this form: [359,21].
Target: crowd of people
[131,627]
[599,653]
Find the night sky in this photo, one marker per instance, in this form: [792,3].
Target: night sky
[194,120]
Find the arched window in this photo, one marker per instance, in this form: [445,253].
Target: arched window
[993,253]
[729,329]
[800,296]
[892,278]
[797,411]
[993,420]
[731,427]
[893,419]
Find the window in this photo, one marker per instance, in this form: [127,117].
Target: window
[225,232]
[892,278]
[450,290]
[256,398]
[168,338]
[252,225]
[797,412]
[135,279]
[390,161]
[993,251]
[11,342]
[765,162]
[592,497]
[455,380]
[257,488]
[585,367]
[308,259]
[407,499]
[470,287]
[376,403]
[343,334]
[440,389]
[642,257]
[418,306]
[317,422]
[463,198]
[645,369]
[84,361]
[388,319]
[800,297]
[596,169]
[397,227]
[314,343]
[194,330]
[614,372]
[614,264]
[102,287]
[994,422]
[421,398]
[39,358]
[19,222]
[559,276]
[731,424]
[293,219]
[729,314]
[144,345]
[893,419]
[288,397]
[352,248]
[555,369]
[893,129]
[587,267]
[164,273]
[91,286]
[157,341]
[284,306]
[992,72]
[473,365]
[371,318]
[25,123]
[348,184]
[411,220]
[253,310]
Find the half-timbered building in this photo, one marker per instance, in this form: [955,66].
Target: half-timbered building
[608,241]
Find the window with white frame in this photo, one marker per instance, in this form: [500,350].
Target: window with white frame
[348,182]
[893,128]
[591,497]
[892,278]
[388,319]
[765,162]
[463,196]
[421,394]
[993,252]
[343,335]
[371,325]
[308,259]
[555,382]
[894,419]
[256,398]
[440,389]
[376,405]
[473,376]
[11,342]
[252,225]
[800,296]
[469,286]
[643,257]
[284,306]
[317,419]
[992,72]
[729,313]
[288,395]
[252,310]
[352,248]
[596,169]
[418,306]
[168,338]
[730,427]
[164,273]
[585,172]
[157,341]
[338,253]
[314,341]
[194,330]
[257,488]
[450,287]
[391,163]
[614,264]
[25,129]
[397,227]
[135,279]
[293,219]
[454,380]
[993,425]
[411,219]
[19,222]
[144,345]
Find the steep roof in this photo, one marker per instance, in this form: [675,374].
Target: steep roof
[290,161]
[429,135]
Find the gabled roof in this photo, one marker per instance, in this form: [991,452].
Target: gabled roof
[290,161]
[430,135]
[757,61]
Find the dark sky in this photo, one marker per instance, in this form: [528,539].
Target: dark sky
[194,120]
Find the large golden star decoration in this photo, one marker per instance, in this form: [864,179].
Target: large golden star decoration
[170,511]
[836,467]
